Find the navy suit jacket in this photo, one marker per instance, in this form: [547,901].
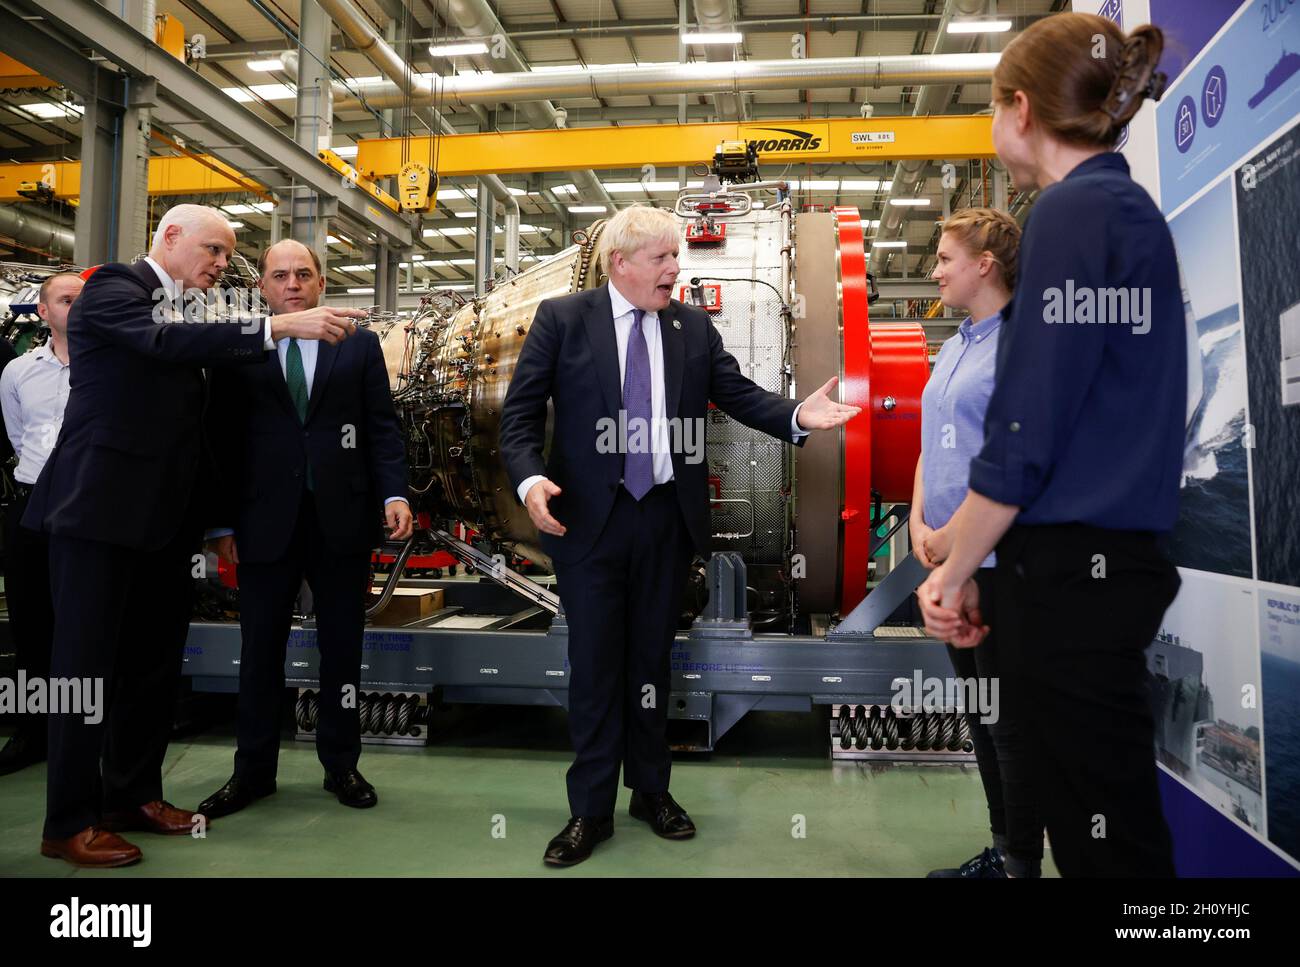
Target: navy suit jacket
[352,441]
[126,467]
[570,357]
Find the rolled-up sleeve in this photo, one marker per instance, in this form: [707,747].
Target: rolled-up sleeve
[1046,360]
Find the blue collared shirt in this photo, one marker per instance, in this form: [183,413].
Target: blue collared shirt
[1089,405]
[952,417]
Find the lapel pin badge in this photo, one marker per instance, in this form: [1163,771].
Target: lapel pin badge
[677,324]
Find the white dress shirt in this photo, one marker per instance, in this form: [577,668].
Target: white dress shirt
[33,393]
[660,438]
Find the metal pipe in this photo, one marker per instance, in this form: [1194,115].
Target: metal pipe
[932,99]
[464,90]
[357,27]
[719,16]
[824,23]
[512,240]
[394,578]
[484,242]
[36,232]
[477,19]
[361,32]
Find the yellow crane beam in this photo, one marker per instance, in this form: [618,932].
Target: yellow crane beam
[167,176]
[670,145]
[192,174]
[16,75]
[522,152]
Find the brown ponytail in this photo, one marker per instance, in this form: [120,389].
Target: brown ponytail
[1084,78]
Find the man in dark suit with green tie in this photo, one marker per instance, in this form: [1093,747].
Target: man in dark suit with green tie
[310,463]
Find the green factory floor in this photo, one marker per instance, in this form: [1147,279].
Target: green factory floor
[485,797]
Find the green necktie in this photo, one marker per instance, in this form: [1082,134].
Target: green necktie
[296,377]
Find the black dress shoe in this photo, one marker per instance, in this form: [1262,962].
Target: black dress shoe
[20,752]
[351,789]
[661,811]
[234,796]
[578,838]
[986,866]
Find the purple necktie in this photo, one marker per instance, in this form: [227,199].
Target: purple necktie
[638,468]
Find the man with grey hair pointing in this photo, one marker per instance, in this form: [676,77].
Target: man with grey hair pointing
[121,498]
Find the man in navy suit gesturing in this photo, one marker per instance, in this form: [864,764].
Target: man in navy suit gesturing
[621,522]
[308,449]
[122,497]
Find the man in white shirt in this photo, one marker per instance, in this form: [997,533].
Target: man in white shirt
[620,522]
[33,392]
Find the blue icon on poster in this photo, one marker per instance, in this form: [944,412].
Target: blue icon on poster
[1214,95]
[1185,124]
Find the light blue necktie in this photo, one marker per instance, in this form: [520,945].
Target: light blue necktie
[638,468]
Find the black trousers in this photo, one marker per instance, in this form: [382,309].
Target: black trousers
[621,603]
[1001,748]
[31,609]
[120,616]
[267,591]
[1077,606]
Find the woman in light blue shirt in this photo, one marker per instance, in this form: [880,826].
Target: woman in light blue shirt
[976,272]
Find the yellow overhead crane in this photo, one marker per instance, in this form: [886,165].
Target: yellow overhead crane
[191,174]
[671,145]
[18,76]
[525,152]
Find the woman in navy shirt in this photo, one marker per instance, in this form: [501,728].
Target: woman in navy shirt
[1082,453]
[976,270]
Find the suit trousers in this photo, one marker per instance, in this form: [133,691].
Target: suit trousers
[31,609]
[120,616]
[339,584]
[1077,606]
[621,603]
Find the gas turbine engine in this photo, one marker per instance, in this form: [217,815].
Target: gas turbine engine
[789,294]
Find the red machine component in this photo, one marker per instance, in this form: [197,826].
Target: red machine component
[884,369]
[712,297]
[715,487]
[706,232]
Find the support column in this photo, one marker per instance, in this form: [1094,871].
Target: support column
[388,298]
[999,187]
[381,273]
[133,198]
[312,122]
[98,211]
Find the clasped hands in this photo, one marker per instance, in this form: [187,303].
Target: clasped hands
[950,603]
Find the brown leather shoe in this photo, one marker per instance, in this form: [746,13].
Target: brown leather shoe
[153,817]
[94,846]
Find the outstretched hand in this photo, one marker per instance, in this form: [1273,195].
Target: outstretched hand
[820,412]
